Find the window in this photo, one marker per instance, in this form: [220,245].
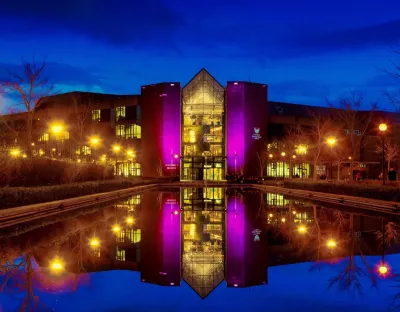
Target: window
[120,254]
[120,113]
[86,150]
[96,115]
[44,137]
[130,131]
[120,131]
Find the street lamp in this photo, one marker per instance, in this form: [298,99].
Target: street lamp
[331,142]
[331,244]
[94,142]
[382,128]
[15,152]
[283,154]
[56,129]
[116,149]
[56,266]
[302,229]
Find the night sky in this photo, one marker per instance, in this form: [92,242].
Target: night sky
[304,50]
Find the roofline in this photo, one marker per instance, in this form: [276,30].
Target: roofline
[199,73]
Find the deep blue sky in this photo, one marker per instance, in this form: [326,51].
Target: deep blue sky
[304,50]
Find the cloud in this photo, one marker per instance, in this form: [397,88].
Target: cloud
[119,22]
[382,34]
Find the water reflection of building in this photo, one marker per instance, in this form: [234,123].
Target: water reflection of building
[247,240]
[160,246]
[203,238]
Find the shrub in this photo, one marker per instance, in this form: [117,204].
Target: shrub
[20,196]
[46,171]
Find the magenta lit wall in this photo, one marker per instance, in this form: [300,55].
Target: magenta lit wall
[235,115]
[160,105]
[246,111]
[235,251]
[171,238]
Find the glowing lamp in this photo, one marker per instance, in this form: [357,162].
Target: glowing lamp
[294,212]
[283,154]
[176,156]
[130,153]
[94,242]
[331,141]
[383,127]
[24,156]
[283,220]
[331,243]
[294,156]
[383,269]
[56,265]
[116,228]
[129,220]
[116,148]
[103,158]
[56,129]
[176,212]
[94,141]
[270,215]
[15,152]
[302,229]
[270,155]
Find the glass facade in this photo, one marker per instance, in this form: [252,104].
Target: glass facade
[203,129]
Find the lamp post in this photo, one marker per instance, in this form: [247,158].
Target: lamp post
[116,149]
[235,162]
[331,142]
[382,128]
[283,154]
[94,142]
[176,156]
[56,129]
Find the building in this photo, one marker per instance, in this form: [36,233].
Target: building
[201,131]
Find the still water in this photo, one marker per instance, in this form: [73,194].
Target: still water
[193,241]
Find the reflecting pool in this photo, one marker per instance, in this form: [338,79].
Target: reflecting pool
[169,248]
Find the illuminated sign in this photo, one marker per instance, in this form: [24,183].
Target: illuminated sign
[171,166]
[256,233]
[256,135]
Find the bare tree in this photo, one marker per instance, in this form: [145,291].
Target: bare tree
[262,163]
[393,98]
[81,112]
[315,138]
[354,122]
[391,151]
[32,89]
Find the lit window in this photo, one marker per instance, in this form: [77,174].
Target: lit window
[301,149]
[44,137]
[120,112]
[120,131]
[132,131]
[120,254]
[86,150]
[96,115]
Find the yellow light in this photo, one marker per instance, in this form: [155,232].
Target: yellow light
[41,152]
[94,141]
[294,212]
[129,220]
[270,215]
[24,156]
[283,154]
[103,158]
[270,155]
[15,152]
[56,265]
[192,136]
[116,148]
[33,144]
[56,129]
[331,243]
[116,228]
[331,141]
[301,149]
[383,127]
[294,156]
[349,157]
[94,242]
[53,149]
[302,229]
[130,153]
[283,220]
[383,269]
